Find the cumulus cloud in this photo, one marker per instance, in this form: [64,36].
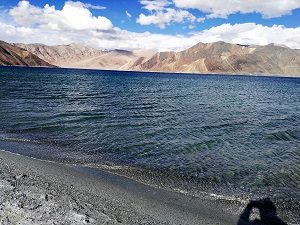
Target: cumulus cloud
[154,5]
[252,34]
[112,39]
[221,8]
[161,14]
[166,17]
[50,26]
[73,16]
[247,33]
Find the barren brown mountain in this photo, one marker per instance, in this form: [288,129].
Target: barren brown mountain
[12,55]
[218,57]
[221,57]
[78,56]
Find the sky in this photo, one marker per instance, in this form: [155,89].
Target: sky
[163,25]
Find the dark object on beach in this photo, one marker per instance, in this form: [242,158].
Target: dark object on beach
[267,211]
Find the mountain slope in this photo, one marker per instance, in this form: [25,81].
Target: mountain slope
[77,56]
[12,55]
[221,57]
[218,57]
[61,55]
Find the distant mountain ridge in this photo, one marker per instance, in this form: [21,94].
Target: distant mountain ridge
[14,56]
[78,56]
[218,57]
[221,57]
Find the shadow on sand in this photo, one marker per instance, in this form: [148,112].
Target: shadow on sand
[267,213]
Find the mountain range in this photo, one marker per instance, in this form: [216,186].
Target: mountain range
[218,57]
[11,55]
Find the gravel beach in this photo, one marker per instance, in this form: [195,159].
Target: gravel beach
[40,192]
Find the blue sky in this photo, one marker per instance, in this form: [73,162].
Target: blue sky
[152,21]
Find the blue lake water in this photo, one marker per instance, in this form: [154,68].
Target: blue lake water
[224,134]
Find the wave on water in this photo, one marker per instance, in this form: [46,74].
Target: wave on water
[8,139]
[127,172]
[226,124]
[284,135]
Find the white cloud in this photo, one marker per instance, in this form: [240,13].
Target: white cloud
[191,26]
[201,20]
[128,14]
[221,8]
[90,6]
[163,18]
[247,33]
[50,26]
[252,34]
[73,16]
[161,14]
[154,5]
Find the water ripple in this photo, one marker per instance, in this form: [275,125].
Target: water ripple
[224,134]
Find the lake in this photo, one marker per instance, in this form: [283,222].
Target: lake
[235,136]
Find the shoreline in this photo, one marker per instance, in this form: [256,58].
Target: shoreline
[165,72]
[117,198]
[34,191]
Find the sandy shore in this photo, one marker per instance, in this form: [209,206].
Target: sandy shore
[40,192]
